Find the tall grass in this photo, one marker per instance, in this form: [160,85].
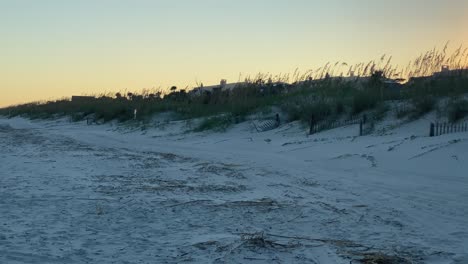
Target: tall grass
[327,92]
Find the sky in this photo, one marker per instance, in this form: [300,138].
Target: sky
[51,49]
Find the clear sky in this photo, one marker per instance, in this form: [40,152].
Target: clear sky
[55,48]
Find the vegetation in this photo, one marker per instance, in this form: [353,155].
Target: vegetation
[219,123]
[457,110]
[422,106]
[327,93]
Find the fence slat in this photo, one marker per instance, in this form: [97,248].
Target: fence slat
[438,129]
[316,127]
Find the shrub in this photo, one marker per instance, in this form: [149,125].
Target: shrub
[304,109]
[457,110]
[380,111]
[403,112]
[363,101]
[217,123]
[423,106]
[339,107]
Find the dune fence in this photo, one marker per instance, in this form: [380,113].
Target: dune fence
[438,129]
[316,127]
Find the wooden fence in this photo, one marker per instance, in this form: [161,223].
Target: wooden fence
[437,129]
[316,127]
[267,123]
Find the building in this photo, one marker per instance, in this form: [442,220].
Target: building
[222,86]
[80,98]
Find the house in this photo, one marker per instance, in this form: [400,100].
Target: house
[222,86]
[82,99]
[392,88]
[446,72]
[442,74]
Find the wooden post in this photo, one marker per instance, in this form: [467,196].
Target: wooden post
[360,128]
[312,124]
[431,132]
[277,120]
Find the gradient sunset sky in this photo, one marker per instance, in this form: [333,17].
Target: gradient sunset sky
[55,48]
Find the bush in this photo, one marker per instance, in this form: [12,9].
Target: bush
[403,112]
[381,111]
[423,106]
[304,109]
[363,101]
[339,107]
[217,123]
[457,110]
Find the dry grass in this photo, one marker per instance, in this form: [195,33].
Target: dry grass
[327,92]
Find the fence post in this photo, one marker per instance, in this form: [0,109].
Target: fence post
[360,127]
[431,132]
[277,120]
[312,124]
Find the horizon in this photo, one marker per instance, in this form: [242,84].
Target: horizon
[54,49]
